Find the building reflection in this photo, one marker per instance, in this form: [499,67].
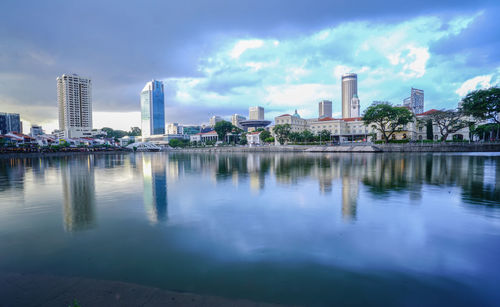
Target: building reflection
[349,198]
[78,184]
[155,186]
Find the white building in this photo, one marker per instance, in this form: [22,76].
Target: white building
[253,138]
[214,120]
[325,108]
[174,128]
[36,130]
[355,106]
[74,96]
[256,113]
[236,119]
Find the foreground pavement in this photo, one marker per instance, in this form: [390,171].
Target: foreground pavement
[43,290]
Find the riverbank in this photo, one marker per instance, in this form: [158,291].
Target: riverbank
[10,155]
[45,290]
[425,147]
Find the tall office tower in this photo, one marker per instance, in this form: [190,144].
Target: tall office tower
[256,113]
[325,108]
[214,120]
[349,89]
[74,97]
[416,101]
[236,119]
[153,109]
[36,130]
[10,122]
[355,106]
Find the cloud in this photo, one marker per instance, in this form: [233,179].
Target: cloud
[475,83]
[236,50]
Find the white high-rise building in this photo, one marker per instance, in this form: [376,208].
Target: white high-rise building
[355,106]
[416,101]
[74,96]
[214,120]
[236,119]
[349,89]
[256,113]
[325,109]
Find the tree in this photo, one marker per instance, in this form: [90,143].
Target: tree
[387,119]
[307,136]
[448,121]
[282,132]
[325,135]
[114,134]
[483,104]
[223,128]
[264,135]
[429,130]
[135,131]
[243,139]
[295,137]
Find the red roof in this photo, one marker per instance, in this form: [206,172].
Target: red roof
[327,119]
[429,112]
[255,132]
[352,119]
[284,115]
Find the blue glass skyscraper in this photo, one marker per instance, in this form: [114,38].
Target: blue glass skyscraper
[153,109]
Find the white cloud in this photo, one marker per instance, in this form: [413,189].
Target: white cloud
[241,46]
[474,84]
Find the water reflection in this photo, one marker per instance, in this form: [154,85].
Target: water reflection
[155,186]
[78,185]
[477,175]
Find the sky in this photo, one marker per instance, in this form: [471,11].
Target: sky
[221,57]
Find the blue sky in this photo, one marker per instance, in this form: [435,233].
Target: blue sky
[220,57]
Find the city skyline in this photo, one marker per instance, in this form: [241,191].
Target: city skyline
[286,61]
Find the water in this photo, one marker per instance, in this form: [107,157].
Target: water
[310,229]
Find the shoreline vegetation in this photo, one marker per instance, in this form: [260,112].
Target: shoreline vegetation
[354,148]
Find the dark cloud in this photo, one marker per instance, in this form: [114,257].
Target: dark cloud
[123,44]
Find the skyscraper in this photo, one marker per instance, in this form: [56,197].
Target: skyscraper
[256,113]
[355,106]
[152,109]
[236,118]
[349,89]
[416,101]
[74,97]
[10,122]
[325,109]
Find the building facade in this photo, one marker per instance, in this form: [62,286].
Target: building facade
[355,106]
[214,120]
[236,119]
[36,130]
[256,113]
[153,109]
[325,109]
[74,97]
[416,101]
[10,122]
[175,128]
[349,89]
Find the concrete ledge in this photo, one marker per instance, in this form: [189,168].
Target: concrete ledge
[43,290]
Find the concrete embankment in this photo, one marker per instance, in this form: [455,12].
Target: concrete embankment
[454,147]
[41,290]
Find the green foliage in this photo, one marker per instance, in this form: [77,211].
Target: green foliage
[387,119]
[75,304]
[296,137]
[114,134]
[307,136]
[223,128]
[393,142]
[325,135]
[264,134]
[135,131]
[429,132]
[178,143]
[483,104]
[448,121]
[282,133]
[487,131]
[269,140]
